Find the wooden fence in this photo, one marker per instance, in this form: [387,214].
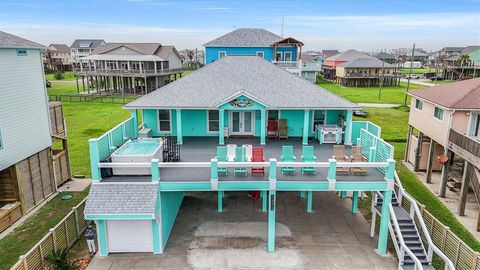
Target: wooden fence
[462,256]
[92,98]
[62,236]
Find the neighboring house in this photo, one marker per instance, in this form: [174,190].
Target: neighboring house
[367,72]
[311,66]
[129,68]
[455,70]
[58,57]
[354,68]
[445,120]
[27,161]
[284,52]
[418,56]
[84,47]
[450,51]
[328,53]
[386,57]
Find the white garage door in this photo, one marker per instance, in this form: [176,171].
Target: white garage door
[129,236]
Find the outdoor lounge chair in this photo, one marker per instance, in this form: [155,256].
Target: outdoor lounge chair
[248,151]
[231,151]
[308,156]
[356,150]
[222,157]
[287,156]
[358,157]
[339,156]
[258,157]
[240,157]
[272,129]
[282,129]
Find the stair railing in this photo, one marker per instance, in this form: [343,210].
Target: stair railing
[415,211]
[400,245]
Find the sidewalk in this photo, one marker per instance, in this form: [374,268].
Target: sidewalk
[418,81]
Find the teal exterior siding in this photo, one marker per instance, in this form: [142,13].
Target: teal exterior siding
[213,52]
[170,204]
[294,122]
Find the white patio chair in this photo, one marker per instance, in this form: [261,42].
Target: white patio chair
[231,151]
[248,151]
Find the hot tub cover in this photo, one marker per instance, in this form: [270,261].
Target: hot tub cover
[122,198]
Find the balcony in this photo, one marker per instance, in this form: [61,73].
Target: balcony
[373,75]
[468,147]
[297,66]
[126,72]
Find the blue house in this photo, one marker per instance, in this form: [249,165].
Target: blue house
[254,41]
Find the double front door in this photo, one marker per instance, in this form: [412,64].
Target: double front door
[241,122]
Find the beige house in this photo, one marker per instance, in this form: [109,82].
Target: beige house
[366,72]
[444,122]
[58,57]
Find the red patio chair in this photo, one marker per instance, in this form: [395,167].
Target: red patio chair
[257,156]
[272,129]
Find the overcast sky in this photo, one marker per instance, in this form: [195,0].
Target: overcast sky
[360,24]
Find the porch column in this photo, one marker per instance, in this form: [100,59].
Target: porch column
[306,118]
[309,201]
[179,127]
[102,238]
[444,176]
[220,201]
[263,193]
[430,161]
[271,220]
[407,149]
[134,115]
[464,191]
[385,218]
[221,123]
[263,120]
[418,152]
[348,128]
[355,203]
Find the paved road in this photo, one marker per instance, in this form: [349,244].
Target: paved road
[419,81]
[379,105]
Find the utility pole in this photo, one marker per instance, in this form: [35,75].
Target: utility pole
[409,74]
[382,78]
[283,25]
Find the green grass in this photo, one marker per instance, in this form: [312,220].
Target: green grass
[67,76]
[24,237]
[63,88]
[392,95]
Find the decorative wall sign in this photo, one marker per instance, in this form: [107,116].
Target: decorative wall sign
[241,102]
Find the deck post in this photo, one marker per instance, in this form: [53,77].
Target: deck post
[431,151]
[332,174]
[134,115]
[306,118]
[94,159]
[464,191]
[384,220]
[343,195]
[355,202]
[102,238]
[444,176]
[271,220]
[155,170]
[348,128]
[263,121]
[221,123]
[220,201]
[179,127]
[302,194]
[264,200]
[309,201]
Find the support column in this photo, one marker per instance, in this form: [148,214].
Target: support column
[271,220]
[264,200]
[221,124]
[418,152]
[431,150]
[306,121]
[309,201]
[179,127]
[384,220]
[348,128]
[355,203]
[464,190]
[444,177]
[263,128]
[343,195]
[220,201]
[302,194]
[407,147]
[134,115]
[102,238]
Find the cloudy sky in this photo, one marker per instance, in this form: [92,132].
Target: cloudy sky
[342,24]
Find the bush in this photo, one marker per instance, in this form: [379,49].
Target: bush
[58,75]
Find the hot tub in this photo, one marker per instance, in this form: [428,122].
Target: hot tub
[137,150]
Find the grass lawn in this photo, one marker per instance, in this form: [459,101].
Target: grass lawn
[63,88]
[35,228]
[393,95]
[67,76]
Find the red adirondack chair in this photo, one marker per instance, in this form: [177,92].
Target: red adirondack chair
[257,156]
[272,129]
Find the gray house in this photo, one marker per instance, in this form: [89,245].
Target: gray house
[83,47]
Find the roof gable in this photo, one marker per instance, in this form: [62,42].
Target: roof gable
[141,48]
[10,41]
[63,48]
[366,63]
[242,100]
[250,76]
[348,56]
[245,37]
[92,43]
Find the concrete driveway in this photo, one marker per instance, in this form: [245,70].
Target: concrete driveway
[329,238]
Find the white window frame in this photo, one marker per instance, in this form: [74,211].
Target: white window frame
[208,122]
[220,52]
[419,101]
[262,53]
[443,113]
[281,56]
[285,56]
[313,118]
[170,121]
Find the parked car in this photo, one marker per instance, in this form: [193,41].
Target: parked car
[438,78]
[412,76]
[360,113]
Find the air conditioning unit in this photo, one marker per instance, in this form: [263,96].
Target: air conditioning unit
[145,133]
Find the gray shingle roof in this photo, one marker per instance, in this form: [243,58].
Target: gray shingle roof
[245,37]
[384,55]
[365,63]
[122,198]
[93,43]
[10,41]
[62,48]
[348,56]
[225,78]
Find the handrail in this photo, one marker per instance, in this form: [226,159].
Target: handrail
[415,210]
[403,246]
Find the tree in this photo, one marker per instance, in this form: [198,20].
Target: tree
[463,60]
[190,54]
[58,261]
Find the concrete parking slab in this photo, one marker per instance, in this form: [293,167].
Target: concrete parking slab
[330,237]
